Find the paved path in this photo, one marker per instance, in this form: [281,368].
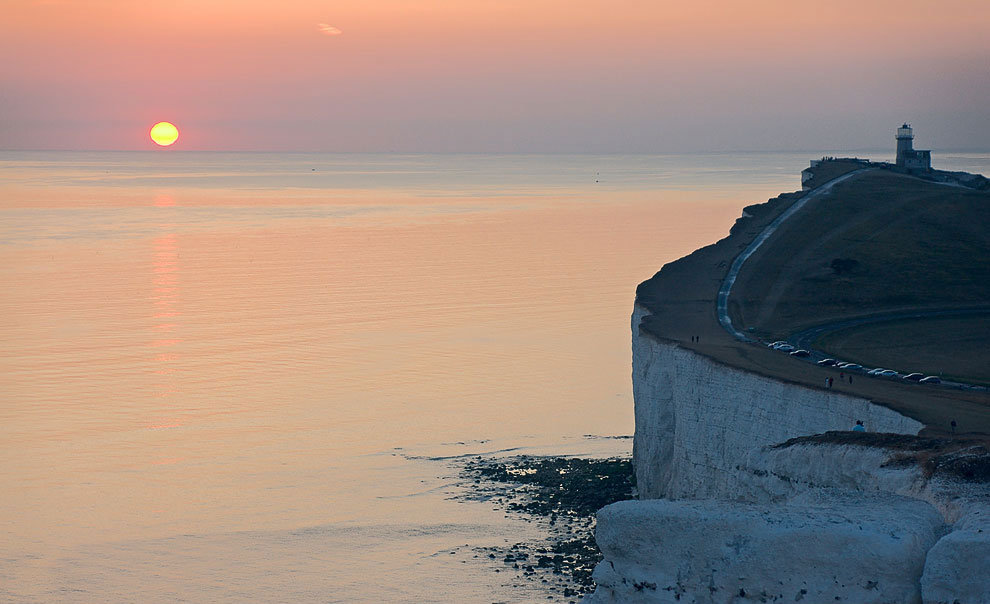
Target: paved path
[722,300]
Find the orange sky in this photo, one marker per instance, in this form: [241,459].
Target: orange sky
[494,75]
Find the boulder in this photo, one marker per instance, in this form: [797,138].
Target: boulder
[850,548]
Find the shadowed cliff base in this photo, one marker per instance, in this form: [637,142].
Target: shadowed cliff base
[680,298]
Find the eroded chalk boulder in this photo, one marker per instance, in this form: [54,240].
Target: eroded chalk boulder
[958,567]
[849,548]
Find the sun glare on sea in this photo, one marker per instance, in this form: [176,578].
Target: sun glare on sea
[164,133]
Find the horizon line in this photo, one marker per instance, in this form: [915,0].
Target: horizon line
[482,152]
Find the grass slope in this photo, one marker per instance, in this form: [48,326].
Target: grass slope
[880,242]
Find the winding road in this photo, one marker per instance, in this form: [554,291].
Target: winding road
[722,300]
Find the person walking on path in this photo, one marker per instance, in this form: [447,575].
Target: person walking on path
[859,427]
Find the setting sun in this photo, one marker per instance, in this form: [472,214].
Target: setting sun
[164,133]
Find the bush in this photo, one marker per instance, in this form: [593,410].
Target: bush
[843,265]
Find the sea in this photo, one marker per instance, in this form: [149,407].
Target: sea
[255,377]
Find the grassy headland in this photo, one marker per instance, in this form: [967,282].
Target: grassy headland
[879,243]
[901,243]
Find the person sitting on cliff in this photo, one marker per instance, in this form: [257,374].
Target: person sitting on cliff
[859,427]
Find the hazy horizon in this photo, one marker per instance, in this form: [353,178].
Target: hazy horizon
[482,76]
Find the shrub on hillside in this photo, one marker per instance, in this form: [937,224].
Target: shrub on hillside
[841,266]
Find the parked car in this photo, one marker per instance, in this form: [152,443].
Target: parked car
[852,367]
[875,371]
[800,352]
[776,344]
[932,379]
[888,373]
[785,348]
[914,377]
[827,362]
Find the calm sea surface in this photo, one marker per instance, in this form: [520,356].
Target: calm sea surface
[249,377]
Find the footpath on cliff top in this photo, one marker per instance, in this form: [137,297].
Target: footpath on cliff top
[902,243]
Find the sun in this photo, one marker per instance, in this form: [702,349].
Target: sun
[164,133]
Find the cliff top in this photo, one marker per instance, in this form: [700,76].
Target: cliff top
[791,283]
[880,244]
[827,170]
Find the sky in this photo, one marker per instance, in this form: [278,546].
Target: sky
[597,76]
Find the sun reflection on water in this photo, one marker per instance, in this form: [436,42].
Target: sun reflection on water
[165,320]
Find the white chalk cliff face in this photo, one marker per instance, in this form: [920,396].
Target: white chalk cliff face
[725,517]
[696,418]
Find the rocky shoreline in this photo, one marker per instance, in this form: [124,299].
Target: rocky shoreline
[563,494]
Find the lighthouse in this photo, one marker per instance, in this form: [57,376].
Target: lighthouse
[905,142]
[907,156]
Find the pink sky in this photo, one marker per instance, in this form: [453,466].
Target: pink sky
[494,75]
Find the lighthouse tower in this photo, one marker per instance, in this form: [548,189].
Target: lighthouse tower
[905,143]
[908,157]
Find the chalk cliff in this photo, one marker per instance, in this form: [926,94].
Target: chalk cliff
[695,418]
[729,515]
